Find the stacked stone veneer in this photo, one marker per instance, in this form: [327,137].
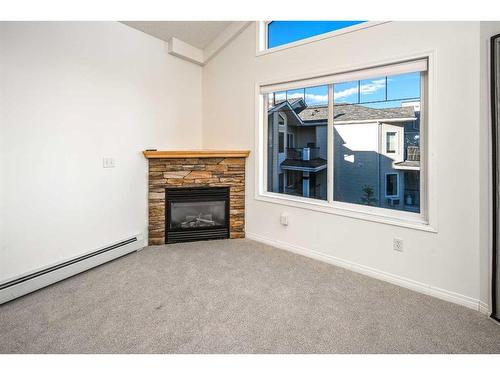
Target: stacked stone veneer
[189,172]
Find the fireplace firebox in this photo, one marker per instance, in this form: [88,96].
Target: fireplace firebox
[196,213]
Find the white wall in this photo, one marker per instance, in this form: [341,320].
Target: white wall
[447,263]
[71,94]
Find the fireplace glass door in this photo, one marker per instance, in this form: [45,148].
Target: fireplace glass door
[196,213]
[190,215]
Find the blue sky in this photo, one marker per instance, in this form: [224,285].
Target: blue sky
[283,32]
[372,92]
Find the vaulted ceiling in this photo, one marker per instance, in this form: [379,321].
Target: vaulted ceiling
[194,41]
[196,33]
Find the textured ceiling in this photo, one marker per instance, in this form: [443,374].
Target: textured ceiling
[197,33]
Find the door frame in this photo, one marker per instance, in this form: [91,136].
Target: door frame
[495,172]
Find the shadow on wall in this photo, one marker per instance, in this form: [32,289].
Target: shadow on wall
[360,176]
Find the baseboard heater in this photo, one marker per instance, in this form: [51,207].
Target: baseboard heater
[30,282]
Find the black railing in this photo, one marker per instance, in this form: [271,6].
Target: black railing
[302,153]
[413,153]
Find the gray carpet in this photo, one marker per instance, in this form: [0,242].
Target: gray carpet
[235,296]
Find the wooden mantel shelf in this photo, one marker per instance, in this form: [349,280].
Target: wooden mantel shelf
[181,154]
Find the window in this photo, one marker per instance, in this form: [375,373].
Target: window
[281,120]
[284,32]
[391,142]
[305,159]
[281,143]
[353,140]
[391,185]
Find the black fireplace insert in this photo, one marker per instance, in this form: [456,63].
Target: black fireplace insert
[196,213]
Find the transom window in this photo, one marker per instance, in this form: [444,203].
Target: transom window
[353,140]
[285,32]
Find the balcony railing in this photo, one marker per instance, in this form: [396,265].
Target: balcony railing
[413,153]
[302,153]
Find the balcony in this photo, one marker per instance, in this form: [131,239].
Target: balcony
[412,159]
[305,159]
[302,153]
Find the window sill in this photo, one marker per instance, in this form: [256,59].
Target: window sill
[325,207]
[347,30]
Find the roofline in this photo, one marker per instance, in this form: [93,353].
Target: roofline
[276,107]
[400,119]
[325,122]
[279,106]
[397,119]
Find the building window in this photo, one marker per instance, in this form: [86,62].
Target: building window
[281,142]
[391,142]
[349,139]
[391,185]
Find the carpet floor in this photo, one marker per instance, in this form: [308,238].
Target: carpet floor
[235,296]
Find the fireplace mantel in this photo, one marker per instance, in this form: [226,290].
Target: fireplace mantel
[184,154]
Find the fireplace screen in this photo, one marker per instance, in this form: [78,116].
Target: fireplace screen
[196,214]
[188,215]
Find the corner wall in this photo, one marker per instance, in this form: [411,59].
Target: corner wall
[448,263]
[72,93]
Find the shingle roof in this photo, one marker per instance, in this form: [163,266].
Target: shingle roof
[291,101]
[352,112]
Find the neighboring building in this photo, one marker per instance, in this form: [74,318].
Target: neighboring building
[376,153]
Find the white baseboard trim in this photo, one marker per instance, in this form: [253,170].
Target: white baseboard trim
[377,274]
[484,308]
[27,283]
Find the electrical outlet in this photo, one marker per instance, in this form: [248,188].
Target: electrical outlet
[284,219]
[397,244]
[108,162]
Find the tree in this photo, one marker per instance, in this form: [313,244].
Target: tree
[368,197]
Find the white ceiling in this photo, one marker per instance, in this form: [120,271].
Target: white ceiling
[197,33]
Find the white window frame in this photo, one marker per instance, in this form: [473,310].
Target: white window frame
[262,37]
[426,220]
[396,143]
[397,184]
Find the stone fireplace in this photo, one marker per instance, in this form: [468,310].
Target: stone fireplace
[197,213]
[196,195]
